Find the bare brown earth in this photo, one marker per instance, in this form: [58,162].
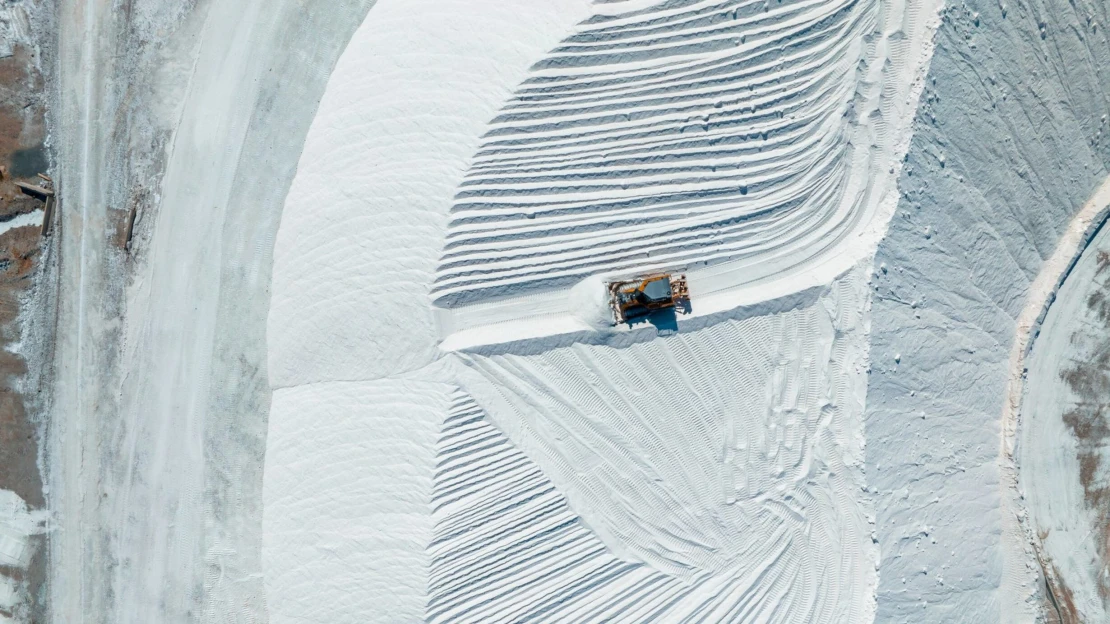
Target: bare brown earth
[1064,602]
[22,156]
[19,249]
[22,130]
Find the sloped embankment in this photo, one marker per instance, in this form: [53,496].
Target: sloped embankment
[1010,141]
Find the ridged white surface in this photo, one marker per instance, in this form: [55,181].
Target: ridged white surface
[507,548]
[363,223]
[726,458]
[753,146]
[710,476]
[686,134]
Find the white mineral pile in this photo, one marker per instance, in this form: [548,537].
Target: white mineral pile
[455,432]
[354,259]
[554,471]
[752,145]
[364,221]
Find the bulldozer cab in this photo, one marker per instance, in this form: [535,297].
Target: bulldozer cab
[640,296]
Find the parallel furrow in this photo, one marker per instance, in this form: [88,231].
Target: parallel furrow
[689,133]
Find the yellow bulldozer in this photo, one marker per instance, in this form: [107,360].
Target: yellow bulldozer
[641,296]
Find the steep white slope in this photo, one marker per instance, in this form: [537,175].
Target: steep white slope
[687,134]
[751,145]
[353,261]
[347,492]
[363,222]
[506,546]
[726,457]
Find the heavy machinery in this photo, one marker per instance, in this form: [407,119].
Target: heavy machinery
[640,296]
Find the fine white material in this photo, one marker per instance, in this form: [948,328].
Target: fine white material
[753,146]
[347,523]
[715,475]
[362,228]
[727,458]
[354,257]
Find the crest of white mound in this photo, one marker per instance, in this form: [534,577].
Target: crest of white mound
[589,302]
[685,135]
[363,223]
[753,146]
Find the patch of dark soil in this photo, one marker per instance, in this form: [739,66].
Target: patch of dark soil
[26,163]
[1098,302]
[22,157]
[19,248]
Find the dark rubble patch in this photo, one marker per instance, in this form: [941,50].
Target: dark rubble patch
[26,163]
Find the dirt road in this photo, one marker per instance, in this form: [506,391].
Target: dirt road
[159,418]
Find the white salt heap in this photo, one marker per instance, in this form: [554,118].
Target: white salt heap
[456,430]
[715,473]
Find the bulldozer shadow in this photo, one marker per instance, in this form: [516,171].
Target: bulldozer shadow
[665,321]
